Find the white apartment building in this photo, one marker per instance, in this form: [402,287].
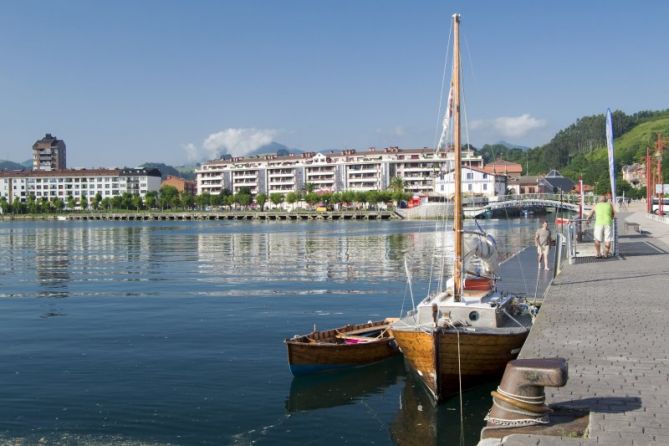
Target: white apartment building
[332,171]
[19,185]
[475,181]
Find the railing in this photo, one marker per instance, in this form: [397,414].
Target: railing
[589,200]
[580,231]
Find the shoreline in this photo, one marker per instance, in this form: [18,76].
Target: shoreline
[302,215]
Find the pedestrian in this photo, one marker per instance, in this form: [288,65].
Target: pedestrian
[603,213]
[542,238]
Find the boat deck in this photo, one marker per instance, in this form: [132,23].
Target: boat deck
[608,318]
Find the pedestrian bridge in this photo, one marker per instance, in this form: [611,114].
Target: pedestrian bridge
[569,202]
[481,206]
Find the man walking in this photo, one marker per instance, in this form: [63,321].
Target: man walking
[603,213]
[542,238]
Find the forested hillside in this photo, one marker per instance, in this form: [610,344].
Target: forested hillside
[580,149]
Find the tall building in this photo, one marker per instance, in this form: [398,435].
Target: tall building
[348,170]
[49,154]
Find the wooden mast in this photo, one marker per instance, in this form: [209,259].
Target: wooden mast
[457,206]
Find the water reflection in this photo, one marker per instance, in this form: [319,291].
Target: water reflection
[420,422]
[69,259]
[325,390]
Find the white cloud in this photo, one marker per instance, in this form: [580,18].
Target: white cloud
[237,142]
[192,152]
[517,126]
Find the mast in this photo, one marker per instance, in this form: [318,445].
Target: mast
[457,205]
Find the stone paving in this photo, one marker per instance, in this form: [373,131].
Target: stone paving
[610,320]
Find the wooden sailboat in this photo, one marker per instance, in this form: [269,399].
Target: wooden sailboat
[467,332]
[348,346]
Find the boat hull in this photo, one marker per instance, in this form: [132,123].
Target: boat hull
[331,350]
[433,355]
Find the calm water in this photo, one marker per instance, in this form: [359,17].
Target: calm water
[171,333]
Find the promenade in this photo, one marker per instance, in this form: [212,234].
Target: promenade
[610,320]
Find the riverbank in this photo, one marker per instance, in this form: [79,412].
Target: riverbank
[301,215]
[608,319]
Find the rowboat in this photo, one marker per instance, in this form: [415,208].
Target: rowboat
[349,346]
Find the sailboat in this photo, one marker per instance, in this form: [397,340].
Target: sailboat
[466,332]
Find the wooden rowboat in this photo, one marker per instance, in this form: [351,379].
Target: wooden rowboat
[348,346]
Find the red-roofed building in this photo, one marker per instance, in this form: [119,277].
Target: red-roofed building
[181,184]
[504,167]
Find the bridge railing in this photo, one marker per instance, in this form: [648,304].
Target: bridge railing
[565,198]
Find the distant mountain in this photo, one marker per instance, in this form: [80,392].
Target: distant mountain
[165,170]
[273,148]
[509,145]
[11,165]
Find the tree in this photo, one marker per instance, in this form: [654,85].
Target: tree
[291,198]
[203,200]
[71,202]
[397,184]
[309,187]
[43,205]
[243,199]
[126,200]
[187,200]
[311,198]
[58,204]
[96,202]
[137,202]
[276,198]
[83,202]
[106,203]
[4,205]
[117,202]
[169,197]
[32,204]
[150,199]
[261,199]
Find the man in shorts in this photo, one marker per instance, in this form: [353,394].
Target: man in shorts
[603,213]
[542,238]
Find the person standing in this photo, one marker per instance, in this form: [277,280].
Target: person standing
[603,213]
[542,238]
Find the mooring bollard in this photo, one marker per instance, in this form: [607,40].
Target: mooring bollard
[520,399]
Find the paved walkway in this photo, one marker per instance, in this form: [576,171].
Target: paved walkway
[610,320]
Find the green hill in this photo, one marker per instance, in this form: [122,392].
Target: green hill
[630,147]
[580,149]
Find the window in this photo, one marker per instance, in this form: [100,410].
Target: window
[485,186]
[470,176]
[469,187]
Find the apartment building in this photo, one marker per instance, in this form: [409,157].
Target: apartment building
[475,181]
[19,185]
[372,169]
[49,153]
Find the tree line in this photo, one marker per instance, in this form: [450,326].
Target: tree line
[169,198]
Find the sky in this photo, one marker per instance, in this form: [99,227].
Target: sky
[126,82]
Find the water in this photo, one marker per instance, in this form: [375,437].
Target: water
[171,333]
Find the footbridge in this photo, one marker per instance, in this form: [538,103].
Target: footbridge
[567,202]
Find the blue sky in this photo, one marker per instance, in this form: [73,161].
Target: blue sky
[126,82]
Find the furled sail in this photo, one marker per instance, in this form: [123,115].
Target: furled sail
[481,254]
